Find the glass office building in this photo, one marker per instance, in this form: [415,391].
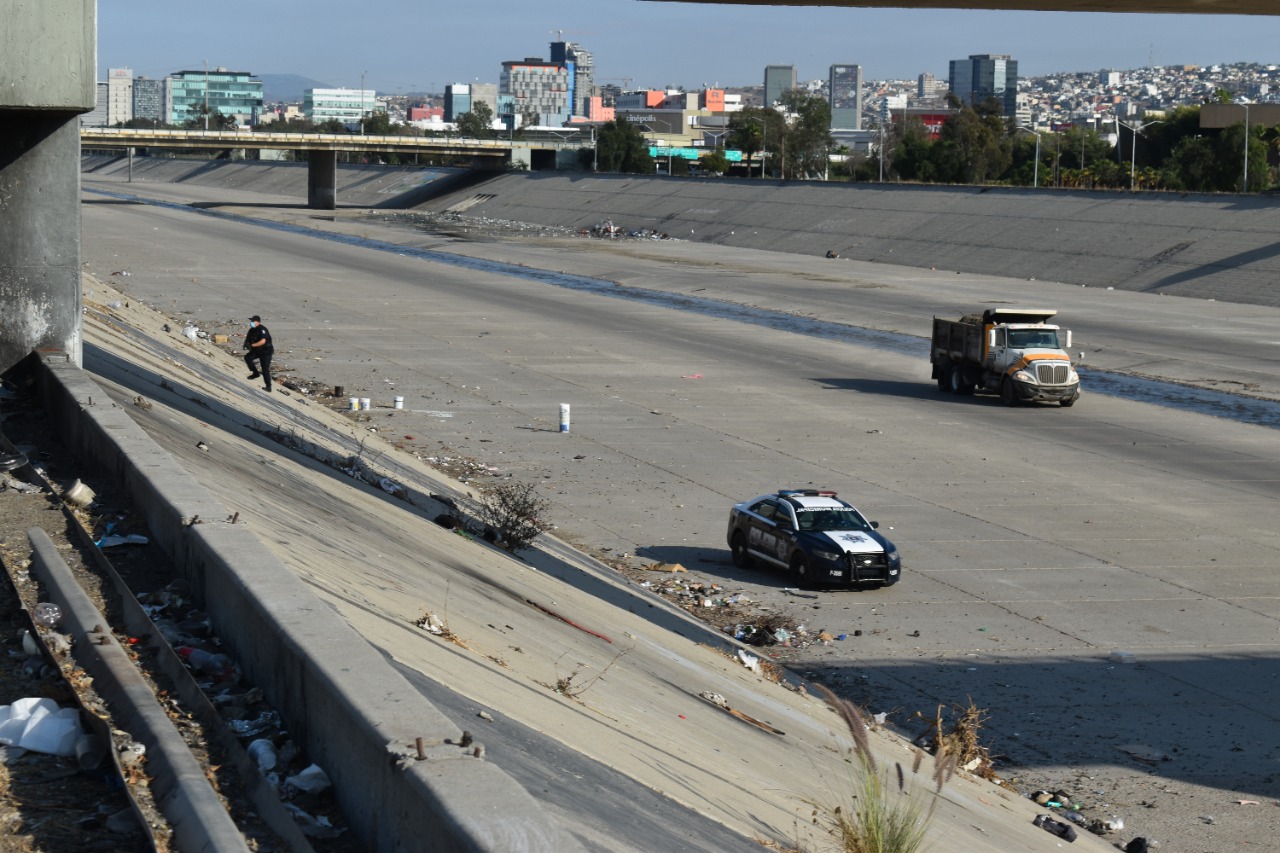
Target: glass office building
[230,93]
[986,75]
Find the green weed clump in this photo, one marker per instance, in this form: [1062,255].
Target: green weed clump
[883,816]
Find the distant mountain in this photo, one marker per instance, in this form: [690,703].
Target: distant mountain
[287,87]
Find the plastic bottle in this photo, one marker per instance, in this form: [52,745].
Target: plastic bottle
[46,614]
[217,665]
[263,751]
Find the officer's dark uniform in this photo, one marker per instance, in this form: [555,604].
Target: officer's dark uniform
[258,344]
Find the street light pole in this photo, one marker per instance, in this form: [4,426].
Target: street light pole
[1036,180]
[1246,147]
[1133,152]
[882,151]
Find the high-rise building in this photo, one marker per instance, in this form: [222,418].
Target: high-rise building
[97,117]
[148,99]
[229,93]
[457,101]
[986,75]
[844,87]
[930,88]
[534,86]
[119,95]
[778,79]
[460,98]
[582,72]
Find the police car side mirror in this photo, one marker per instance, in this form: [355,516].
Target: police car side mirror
[875,525]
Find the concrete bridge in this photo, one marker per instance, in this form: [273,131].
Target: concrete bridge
[322,149]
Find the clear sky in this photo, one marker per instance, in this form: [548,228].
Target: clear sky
[420,45]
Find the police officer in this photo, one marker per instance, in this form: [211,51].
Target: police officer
[260,348]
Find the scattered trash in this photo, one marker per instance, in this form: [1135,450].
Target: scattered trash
[315,827]
[667,567]
[218,665]
[692,376]
[38,724]
[263,752]
[79,494]
[114,540]
[391,487]
[749,660]
[1247,802]
[1055,827]
[256,726]
[1121,656]
[431,623]
[191,332]
[1207,818]
[142,402]
[1137,845]
[46,614]
[880,718]
[311,780]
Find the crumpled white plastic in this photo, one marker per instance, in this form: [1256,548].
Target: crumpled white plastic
[41,726]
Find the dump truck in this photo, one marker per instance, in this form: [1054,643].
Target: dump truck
[1014,352]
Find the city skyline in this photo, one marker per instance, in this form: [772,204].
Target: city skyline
[652,44]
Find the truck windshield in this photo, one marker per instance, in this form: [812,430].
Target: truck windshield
[1026,338]
[830,519]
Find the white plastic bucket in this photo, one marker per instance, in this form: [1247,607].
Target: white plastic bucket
[366,403]
[399,402]
[564,417]
[355,404]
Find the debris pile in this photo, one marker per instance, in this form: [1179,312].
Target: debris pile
[244,710]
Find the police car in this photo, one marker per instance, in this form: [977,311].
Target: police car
[815,536]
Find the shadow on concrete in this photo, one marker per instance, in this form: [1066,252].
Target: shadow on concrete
[716,563]
[216,205]
[1166,718]
[1220,266]
[923,390]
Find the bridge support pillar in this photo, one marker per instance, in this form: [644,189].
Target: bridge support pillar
[322,180]
[39,234]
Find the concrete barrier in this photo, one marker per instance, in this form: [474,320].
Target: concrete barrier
[358,718]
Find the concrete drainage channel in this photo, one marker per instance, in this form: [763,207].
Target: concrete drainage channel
[145,743]
[398,767]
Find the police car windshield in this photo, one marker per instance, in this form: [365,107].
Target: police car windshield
[828,518]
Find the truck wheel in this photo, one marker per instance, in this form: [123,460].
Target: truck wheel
[944,379]
[1006,392]
[1066,404]
[738,547]
[800,571]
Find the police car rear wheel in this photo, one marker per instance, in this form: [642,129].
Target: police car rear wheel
[738,547]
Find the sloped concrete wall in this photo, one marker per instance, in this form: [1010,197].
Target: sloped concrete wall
[1223,247]
[1207,246]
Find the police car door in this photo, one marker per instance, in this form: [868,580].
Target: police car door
[762,534]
